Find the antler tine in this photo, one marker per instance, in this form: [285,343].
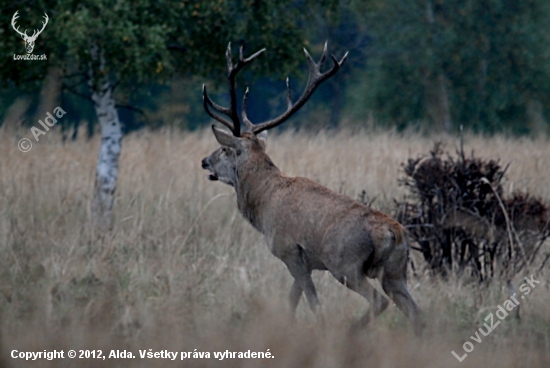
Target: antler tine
[337,65]
[242,61]
[243,112]
[324,56]
[218,108]
[230,111]
[228,59]
[44,23]
[13,19]
[314,80]
[288,96]
[207,101]
[254,56]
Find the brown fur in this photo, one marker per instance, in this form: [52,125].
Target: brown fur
[310,227]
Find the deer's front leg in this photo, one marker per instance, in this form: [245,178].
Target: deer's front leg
[294,297]
[300,270]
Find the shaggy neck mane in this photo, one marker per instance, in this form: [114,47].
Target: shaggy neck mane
[256,179]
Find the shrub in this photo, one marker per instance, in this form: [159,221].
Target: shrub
[461,222]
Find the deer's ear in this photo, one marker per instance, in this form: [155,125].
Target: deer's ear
[226,139]
[262,137]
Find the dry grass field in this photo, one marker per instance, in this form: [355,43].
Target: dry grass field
[182,270]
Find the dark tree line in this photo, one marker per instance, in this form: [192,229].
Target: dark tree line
[480,64]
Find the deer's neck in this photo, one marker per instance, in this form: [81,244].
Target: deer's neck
[256,181]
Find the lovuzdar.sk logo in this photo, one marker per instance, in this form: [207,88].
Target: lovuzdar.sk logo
[29,40]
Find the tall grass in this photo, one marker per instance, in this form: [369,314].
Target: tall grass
[182,270]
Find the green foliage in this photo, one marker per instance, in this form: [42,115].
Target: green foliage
[131,35]
[493,55]
[483,63]
[145,40]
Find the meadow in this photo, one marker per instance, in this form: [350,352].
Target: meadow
[182,270]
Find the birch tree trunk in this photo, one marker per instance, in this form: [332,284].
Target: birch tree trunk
[107,162]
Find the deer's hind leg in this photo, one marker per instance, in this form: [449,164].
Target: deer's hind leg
[294,297]
[394,283]
[397,290]
[354,278]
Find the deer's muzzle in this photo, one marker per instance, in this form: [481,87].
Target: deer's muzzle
[211,174]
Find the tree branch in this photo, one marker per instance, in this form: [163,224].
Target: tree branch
[132,108]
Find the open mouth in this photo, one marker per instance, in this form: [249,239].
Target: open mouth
[212,176]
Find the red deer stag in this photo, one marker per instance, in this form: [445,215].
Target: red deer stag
[306,225]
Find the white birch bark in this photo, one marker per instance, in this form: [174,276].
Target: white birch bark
[107,162]
[109,152]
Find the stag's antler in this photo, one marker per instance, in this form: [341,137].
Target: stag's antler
[230,111]
[36,33]
[314,80]
[13,19]
[24,34]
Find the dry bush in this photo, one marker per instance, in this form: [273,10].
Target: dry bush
[459,217]
[182,270]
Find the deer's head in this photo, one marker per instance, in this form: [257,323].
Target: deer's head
[240,149]
[29,40]
[235,152]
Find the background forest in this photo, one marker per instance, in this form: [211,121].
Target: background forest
[430,63]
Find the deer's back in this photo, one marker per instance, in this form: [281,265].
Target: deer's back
[327,224]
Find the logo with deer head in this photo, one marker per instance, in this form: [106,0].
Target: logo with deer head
[29,40]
